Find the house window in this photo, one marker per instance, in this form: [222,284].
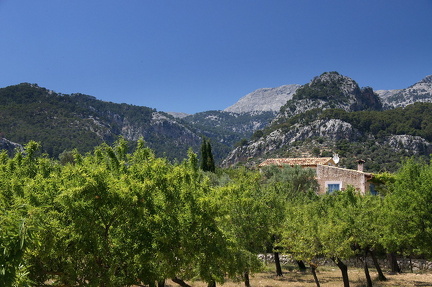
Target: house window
[333,186]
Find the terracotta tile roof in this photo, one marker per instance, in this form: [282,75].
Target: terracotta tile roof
[311,161]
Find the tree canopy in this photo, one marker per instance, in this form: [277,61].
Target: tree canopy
[119,216]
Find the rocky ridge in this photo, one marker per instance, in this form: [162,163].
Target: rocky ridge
[294,133]
[331,90]
[333,129]
[419,92]
[266,100]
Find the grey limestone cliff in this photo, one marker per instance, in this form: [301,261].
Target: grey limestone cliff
[267,99]
[331,129]
[419,92]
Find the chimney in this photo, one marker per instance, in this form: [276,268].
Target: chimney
[360,164]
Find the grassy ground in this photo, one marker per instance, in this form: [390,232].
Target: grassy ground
[328,277]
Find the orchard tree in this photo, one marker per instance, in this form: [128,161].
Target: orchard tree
[96,229]
[287,185]
[300,235]
[248,213]
[359,215]
[407,216]
[188,240]
[324,226]
[20,210]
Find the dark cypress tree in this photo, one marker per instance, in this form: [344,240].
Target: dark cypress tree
[210,161]
[207,161]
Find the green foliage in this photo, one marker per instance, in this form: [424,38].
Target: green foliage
[115,217]
[242,142]
[337,226]
[407,221]
[382,182]
[248,219]
[257,135]
[290,182]
[14,230]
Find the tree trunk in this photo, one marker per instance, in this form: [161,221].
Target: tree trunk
[313,270]
[212,283]
[278,265]
[161,283]
[246,279]
[344,270]
[366,269]
[411,265]
[381,276]
[394,266]
[180,282]
[301,265]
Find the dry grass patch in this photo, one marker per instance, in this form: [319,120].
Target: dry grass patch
[329,277]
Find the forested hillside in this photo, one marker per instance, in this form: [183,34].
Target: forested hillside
[62,122]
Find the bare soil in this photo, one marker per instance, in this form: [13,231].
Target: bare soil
[328,277]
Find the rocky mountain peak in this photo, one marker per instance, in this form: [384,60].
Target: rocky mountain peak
[335,78]
[426,80]
[425,84]
[344,84]
[264,100]
[331,90]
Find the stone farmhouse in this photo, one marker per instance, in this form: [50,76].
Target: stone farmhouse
[330,177]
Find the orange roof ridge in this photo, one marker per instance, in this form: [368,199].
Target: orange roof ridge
[305,161]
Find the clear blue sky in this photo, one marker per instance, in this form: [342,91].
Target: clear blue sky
[198,55]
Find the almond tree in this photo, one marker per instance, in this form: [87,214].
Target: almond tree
[287,185]
[300,236]
[20,210]
[247,220]
[407,220]
[95,230]
[188,240]
[321,227]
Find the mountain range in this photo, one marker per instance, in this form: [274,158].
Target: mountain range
[332,114]
[329,114]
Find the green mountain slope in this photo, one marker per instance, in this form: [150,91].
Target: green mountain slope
[63,122]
